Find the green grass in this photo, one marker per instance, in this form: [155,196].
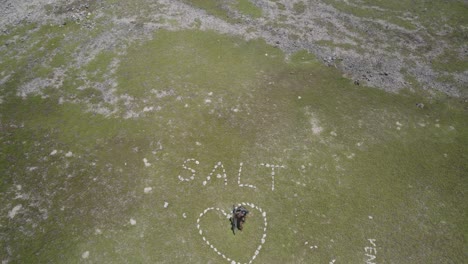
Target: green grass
[221,9]
[246,7]
[212,7]
[299,7]
[242,103]
[451,62]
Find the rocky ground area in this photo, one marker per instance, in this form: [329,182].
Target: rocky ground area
[385,48]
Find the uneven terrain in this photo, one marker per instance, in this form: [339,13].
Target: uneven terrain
[128,129]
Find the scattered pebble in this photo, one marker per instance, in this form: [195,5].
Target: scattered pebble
[132,221]
[333,133]
[166,204]
[147,164]
[98,231]
[32,168]
[53,152]
[207,101]
[184,215]
[148,189]
[370,217]
[14,211]
[445,155]
[69,154]
[147,109]
[299,97]
[85,254]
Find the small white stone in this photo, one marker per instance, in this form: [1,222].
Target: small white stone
[98,231]
[85,254]
[370,217]
[147,164]
[299,97]
[147,109]
[69,154]
[132,221]
[53,152]
[184,215]
[166,204]
[307,242]
[14,211]
[148,189]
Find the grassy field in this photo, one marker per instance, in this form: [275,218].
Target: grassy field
[332,172]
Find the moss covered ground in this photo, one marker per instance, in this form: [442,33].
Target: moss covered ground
[344,173]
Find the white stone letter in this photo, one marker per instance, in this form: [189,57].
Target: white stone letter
[273,167]
[239,177]
[192,177]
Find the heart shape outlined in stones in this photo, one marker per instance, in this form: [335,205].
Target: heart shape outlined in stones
[262,240]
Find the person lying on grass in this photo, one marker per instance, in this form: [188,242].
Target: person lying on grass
[238,218]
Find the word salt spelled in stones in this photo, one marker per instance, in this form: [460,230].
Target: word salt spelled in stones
[220,172]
